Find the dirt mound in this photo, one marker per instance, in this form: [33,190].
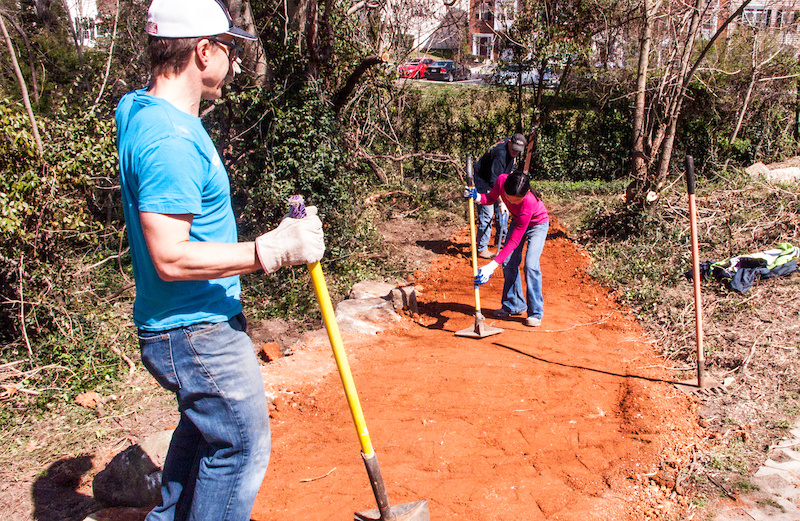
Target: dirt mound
[570,420]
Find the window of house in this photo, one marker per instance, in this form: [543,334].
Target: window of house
[482,45]
[756,16]
[786,20]
[484,12]
[507,8]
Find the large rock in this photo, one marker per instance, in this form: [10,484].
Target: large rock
[757,169]
[784,175]
[787,175]
[365,315]
[401,296]
[133,477]
[374,303]
[405,297]
[371,289]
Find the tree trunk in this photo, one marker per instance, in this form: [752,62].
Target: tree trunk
[518,92]
[31,64]
[638,154]
[753,78]
[255,57]
[797,110]
[73,32]
[312,13]
[642,190]
[745,103]
[676,103]
[26,100]
[340,99]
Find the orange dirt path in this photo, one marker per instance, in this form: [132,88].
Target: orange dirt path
[556,422]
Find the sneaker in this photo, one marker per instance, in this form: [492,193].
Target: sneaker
[533,321]
[485,254]
[504,313]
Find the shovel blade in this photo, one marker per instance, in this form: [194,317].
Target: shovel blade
[479,330]
[416,511]
[710,387]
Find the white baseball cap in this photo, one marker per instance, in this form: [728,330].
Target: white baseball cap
[191,19]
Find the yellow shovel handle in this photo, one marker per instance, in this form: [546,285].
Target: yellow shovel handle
[329,317]
[474,252]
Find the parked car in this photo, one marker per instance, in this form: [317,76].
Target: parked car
[447,70]
[550,80]
[414,68]
[509,75]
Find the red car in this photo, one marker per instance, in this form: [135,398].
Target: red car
[414,68]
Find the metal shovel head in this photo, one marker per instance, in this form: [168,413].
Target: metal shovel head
[480,329]
[416,511]
[710,387]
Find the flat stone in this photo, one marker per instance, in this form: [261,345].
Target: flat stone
[778,482]
[772,482]
[791,466]
[405,297]
[756,169]
[784,175]
[365,315]
[156,446]
[371,289]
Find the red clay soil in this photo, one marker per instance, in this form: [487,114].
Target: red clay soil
[568,421]
[565,421]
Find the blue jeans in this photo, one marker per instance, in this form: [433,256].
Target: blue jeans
[219,451]
[487,214]
[513,298]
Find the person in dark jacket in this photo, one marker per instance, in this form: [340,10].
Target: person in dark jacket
[497,161]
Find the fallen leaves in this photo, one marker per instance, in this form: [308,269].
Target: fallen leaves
[93,400]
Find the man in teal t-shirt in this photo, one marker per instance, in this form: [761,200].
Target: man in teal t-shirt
[187,261]
[170,166]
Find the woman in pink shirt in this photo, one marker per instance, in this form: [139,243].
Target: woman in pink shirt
[529,225]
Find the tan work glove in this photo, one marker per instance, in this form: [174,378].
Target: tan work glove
[293,242]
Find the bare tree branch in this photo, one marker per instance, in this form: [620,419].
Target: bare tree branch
[26,100]
[108,61]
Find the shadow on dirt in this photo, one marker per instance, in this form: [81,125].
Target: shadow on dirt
[436,309]
[437,247]
[55,495]
[582,368]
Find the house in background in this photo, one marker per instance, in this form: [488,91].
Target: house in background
[488,20]
[481,28]
[92,19]
[778,19]
[83,14]
[449,37]
[429,25]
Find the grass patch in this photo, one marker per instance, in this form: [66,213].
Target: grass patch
[770,503]
[730,458]
[746,486]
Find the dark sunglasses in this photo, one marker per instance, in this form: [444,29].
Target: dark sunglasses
[233,49]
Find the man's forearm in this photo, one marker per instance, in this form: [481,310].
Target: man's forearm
[176,257]
[192,260]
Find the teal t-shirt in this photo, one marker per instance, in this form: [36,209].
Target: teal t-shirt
[169,165]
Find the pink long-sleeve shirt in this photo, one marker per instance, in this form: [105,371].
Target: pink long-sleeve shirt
[530,212]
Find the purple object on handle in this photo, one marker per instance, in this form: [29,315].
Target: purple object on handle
[297,207]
